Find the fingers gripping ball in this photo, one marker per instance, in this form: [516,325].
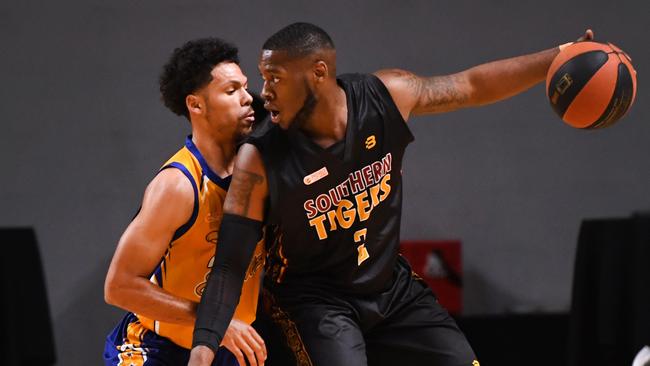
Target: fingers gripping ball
[591,85]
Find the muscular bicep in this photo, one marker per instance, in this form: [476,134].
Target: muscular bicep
[419,95]
[167,204]
[249,187]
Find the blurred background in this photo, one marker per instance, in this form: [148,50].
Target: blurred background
[83,132]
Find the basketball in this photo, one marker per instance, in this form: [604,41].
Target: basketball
[591,85]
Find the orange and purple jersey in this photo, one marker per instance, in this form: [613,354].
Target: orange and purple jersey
[185,267]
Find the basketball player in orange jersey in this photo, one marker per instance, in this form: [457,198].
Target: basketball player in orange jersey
[325,179]
[164,257]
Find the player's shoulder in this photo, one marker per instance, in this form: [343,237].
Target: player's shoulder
[170,188]
[266,136]
[364,85]
[357,80]
[265,128]
[171,182]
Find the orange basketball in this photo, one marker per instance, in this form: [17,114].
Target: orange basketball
[591,84]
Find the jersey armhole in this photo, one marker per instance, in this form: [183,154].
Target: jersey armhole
[195,211]
[391,107]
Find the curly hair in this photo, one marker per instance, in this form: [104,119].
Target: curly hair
[188,69]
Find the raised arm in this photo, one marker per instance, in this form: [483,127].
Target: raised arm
[241,229]
[479,85]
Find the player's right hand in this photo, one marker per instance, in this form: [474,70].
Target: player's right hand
[241,339]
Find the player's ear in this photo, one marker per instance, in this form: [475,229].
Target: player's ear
[321,70]
[194,104]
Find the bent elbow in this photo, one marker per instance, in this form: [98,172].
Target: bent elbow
[111,292]
[109,296]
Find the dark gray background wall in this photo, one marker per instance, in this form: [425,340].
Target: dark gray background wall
[83,132]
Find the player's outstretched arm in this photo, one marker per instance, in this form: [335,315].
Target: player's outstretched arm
[167,204]
[241,229]
[479,85]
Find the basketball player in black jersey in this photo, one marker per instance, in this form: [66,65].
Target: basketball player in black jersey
[324,177]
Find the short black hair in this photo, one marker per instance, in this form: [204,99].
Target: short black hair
[299,39]
[188,69]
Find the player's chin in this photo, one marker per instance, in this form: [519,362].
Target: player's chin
[284,123]
[241,135]
[244,129]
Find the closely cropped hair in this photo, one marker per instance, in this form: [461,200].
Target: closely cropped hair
[299,39]
[188,70]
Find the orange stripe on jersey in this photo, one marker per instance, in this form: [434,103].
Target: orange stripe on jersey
[188,261]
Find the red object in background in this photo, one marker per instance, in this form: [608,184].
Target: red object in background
[440,266]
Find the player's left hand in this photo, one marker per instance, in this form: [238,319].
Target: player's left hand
[241,339]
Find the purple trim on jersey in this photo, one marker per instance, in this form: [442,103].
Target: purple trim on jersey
[224,183]
[195,211]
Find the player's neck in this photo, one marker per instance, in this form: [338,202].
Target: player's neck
[329,119]
[218,153]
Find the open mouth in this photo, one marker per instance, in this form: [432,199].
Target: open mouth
[275,115]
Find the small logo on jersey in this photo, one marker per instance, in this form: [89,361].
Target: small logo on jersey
[475,363]
[316,176]
[371,142]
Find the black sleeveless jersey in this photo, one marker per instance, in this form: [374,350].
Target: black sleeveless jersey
[334,214]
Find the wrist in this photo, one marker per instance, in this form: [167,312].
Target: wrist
[203,353]
[206,339]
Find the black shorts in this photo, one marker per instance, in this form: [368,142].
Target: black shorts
[405,325]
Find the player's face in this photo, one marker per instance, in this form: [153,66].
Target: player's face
[288,95]
[228,104]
